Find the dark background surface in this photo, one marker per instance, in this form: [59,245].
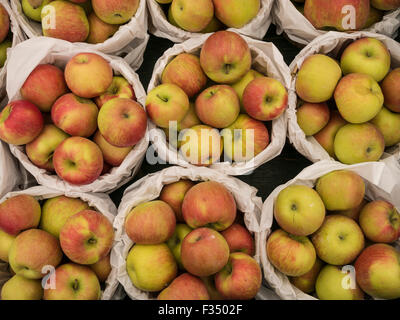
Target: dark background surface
[265,178]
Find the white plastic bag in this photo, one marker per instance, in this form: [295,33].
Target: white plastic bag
[266,59]
[130,39]
[149,188]
[330,43]
[24,58]
[17,37]
[381,183]
[288,19]
[160,27]
[100,202]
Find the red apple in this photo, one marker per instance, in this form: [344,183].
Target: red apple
[4,23]
[44,86]
[209,204]
[122,122]
[390,89]
[265,99]
[20,122]
[75,115]
[78,161]
[380,221]
[240,279]
[150,222]
[88,75]
[204,252]
[185,287]
[86,237]
[119,88]
[239,239]
[19,213]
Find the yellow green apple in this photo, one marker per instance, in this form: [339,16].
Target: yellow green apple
[236,13]
[175,242]
[100,31]
[4,23]
[3,51]
[33,8]
[111,154]
[119,88]
[192,15]
[242,83]
[6,241]
[306,282]
[20,288]
[388,123]
[312,117]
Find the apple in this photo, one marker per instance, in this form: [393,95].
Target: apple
[78,161]
[88,75]
[174,193]
[102,268]
[150,222]
[165,103]
[390,88]
[209,204]
[388,122]
[74,282]
[56,211]
[185,71]
[201,145]
[358,97]
[225,57]
[378,271]
[185,287]
[19,213]
[192,15]
[329,285]
[366,55]
[312,117]
[218,106]
[317,78]
[236,13]
[115,11]
[385,4]
[209,282]
[54,24]
[122,122]
[339,241]
[324,14]
[204,252]
[292,255]
[3,51]
[31,251]
[100,31]
[40,151]
[20,122]
[33,8]
[380,222]
[242,83]
[239,239]
[353,213]
[341,190]
[175,242]
[306,282]
[20,288]
[164,1]
[119,88]
[355,143]
[240,279]
[44,85]
[151,267]
[86,237]
[4,23]
[326,136]
[245,138]
[111,154]
[75,115]
[299,210]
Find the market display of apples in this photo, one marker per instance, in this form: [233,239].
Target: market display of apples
[62,235]
[330,15]
[321,232]
[191,244]
[5,34]
[215,105]
[78,122]
[351,106]
[92,21]
[209,15]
